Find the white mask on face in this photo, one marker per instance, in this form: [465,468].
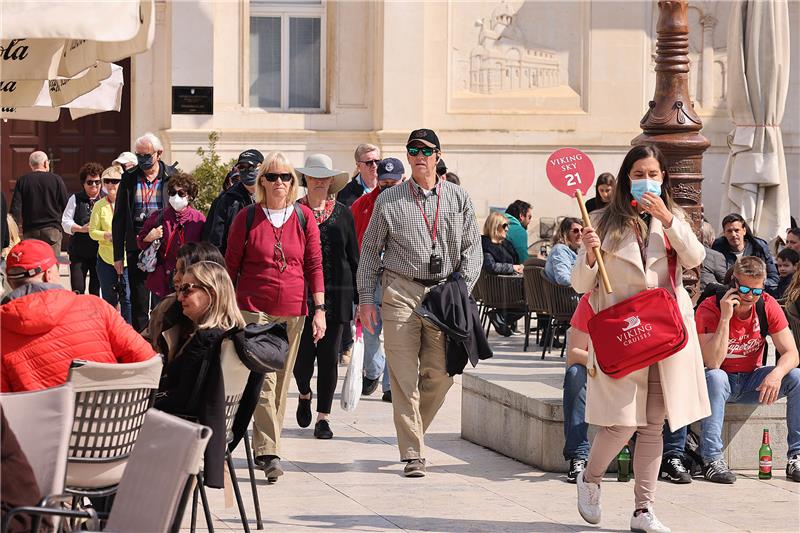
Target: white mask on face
[178,203]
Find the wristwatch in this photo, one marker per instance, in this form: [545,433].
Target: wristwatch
[319,307]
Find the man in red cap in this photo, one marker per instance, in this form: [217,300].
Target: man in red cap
[45,326]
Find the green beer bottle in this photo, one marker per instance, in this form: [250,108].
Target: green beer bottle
[765,457]
[624,464]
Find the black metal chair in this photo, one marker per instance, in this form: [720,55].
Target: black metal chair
[561,304]
[535,298]
[505,293]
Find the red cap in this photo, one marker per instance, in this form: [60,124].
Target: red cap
[28,258]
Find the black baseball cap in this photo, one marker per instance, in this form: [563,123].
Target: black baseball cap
[252,156]
[390,169]
[426,137]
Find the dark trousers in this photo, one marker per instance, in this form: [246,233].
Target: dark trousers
[51,235]
[140,294]
[78,269]
[576,430]
[326,354]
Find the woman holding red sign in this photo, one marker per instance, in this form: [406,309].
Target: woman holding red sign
[646,242]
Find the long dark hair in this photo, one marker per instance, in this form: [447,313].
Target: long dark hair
[606,178]
[620,215]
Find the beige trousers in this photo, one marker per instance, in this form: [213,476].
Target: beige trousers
[415,355]
[649,446]
[271,406]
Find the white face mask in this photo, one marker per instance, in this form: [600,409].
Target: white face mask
[178,203]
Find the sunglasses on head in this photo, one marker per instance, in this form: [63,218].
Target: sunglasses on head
[415,150]
[272,178]
[92,183]
[744,289]
[186,288]
[371,162]
[111,181]
[181,193]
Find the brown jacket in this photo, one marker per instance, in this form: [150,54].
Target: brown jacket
[623,401]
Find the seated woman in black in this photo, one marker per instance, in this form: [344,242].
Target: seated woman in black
[499,257]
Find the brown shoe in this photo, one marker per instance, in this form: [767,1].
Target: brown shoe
[414,468]
[346,355]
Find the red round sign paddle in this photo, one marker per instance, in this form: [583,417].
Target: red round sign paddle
[570,170]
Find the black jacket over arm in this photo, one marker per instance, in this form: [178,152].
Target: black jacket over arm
[124,228]
[339,265]
[451,309]
[221,214]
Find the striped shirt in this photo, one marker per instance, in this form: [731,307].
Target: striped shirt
[399,231]
[147,199]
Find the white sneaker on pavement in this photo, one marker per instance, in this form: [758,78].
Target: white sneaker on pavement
[647,522]
[589,500]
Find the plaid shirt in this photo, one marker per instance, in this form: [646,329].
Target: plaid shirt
[398,230]
[143,189]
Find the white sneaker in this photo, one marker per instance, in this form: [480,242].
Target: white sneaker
[648,523]
[588,500]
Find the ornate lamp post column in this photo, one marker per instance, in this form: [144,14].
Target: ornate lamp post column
[671,122]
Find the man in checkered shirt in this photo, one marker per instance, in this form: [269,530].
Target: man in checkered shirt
[426,229]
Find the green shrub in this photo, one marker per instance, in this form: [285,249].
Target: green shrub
[210,173]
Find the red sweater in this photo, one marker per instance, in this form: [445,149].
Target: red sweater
[261,285]
[362,212]
[43,332]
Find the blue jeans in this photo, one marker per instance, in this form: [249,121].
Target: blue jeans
[576,445]
[741,388]
[108,277]
[674,442]
[374,356]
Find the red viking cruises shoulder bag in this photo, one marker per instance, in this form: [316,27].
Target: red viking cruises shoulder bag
[639,331]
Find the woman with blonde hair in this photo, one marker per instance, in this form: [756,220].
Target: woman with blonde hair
[499,257]
[192,384]
[639,233]
[273,253]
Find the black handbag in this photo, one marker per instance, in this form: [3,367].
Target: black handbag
[262,348]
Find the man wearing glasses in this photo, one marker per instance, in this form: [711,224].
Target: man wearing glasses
[366,179]
[427,230]
[140,193]
[232,200]
[732,342]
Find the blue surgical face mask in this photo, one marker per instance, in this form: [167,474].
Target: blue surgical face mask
[640,187]
[145,161]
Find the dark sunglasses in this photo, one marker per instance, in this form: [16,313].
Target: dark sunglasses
[415,150]
[371,162]
[504,226]
[181,193]
[744,289]
[575,230]
[92,183]
[186,288]
[110,181]
[244,166]
[272,178]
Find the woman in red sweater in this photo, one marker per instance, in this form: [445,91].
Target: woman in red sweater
[271,264]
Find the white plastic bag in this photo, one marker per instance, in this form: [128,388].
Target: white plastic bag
[351,390]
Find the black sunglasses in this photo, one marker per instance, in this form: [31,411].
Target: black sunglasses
[371,162]
[272,178]
[110,181]
[504,226]
[92,183]
[181,193]
[186,288]
[415,150]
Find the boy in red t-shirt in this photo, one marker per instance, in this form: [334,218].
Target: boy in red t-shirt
[732,344]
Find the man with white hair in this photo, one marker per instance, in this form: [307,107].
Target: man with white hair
[142,191]
[39,200]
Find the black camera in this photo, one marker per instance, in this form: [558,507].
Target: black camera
[119,287]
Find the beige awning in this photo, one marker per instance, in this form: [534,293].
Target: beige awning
[758,82]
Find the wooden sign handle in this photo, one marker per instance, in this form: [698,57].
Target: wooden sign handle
[588,224]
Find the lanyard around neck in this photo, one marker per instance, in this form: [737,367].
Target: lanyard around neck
[431,229]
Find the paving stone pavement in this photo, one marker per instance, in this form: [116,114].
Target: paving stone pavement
[354,483]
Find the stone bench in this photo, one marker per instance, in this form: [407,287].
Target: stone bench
[512,404]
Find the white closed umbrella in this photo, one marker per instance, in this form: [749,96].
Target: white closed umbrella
[106,96]
[42,40]
[758,83]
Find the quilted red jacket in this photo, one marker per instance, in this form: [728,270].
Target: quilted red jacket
[43,332]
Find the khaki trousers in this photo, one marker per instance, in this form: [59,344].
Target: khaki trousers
[271,406]
[415,355]
[649,446]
